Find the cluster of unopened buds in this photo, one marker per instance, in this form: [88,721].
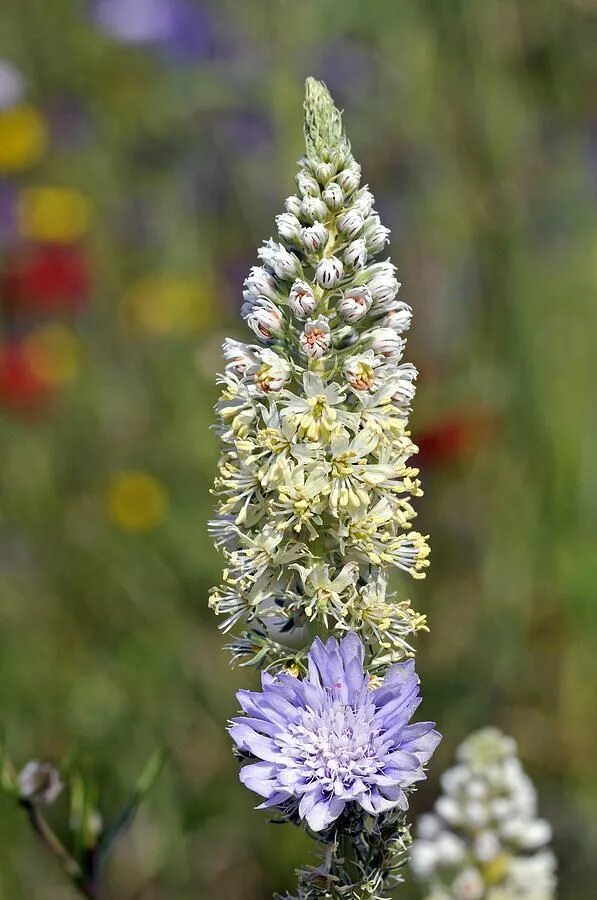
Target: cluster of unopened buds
[314,511]
[483,840]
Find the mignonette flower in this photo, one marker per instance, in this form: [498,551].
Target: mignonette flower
[329,740]
[483,840]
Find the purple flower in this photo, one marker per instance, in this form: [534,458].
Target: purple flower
[329,740]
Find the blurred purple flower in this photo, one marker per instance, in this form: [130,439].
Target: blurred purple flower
[12,84]
[179,26]
[328,740]
[8,214]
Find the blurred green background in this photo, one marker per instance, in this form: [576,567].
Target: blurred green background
[145,146]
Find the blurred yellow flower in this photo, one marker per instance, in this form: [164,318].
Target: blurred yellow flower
[53,214]
[163,305]
[53,353]
[23,138]
[136,501]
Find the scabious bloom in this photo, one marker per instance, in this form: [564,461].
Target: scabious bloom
[483,840]
[314,509]
[329,741]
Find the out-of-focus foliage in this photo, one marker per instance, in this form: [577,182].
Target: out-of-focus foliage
[145,146]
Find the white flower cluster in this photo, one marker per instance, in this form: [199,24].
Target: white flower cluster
[484,841]
[314,487]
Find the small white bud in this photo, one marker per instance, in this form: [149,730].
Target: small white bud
[292,205]
[324,171]
[469,885]
[398,318]
[428,826]
[363,202]
[240,356]
[350,224]
[266,320]
[260,283]
[273,373]
[450,849]
[406,375]
[355,255]
[307,185]
[288,226]
[487,846]
[329,272]
[349,179]
[316,338]
[284,263]
[376,234]
[423,859]
[355,304]
[313,209]
[301,299]
[386,343]
[382,283]
[333,196]
[39,783]
[314,238]
[449,809]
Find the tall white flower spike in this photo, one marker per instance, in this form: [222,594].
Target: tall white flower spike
[325,375]
[483,840]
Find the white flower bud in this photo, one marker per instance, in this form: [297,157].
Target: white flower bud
[273,373]
[398,318]
[316,338]
[288,226]
[314,238]
[428,826]
[487,846]
[376,234]
[469,885]
[406,375]
[313,209]
[266,320]
[359,371]
[382,282]
[39,783]
[355,304]
[284,263]
[449,810]
[333,196]
[301,299]
[292,205]
[324,171]
[307,185]
[349,179]
[386,343]
[355,255]
[260,283]
[450,849]
[240,356]
[329,272]
[363,202]
[350,224]
[423,859]
[454,779]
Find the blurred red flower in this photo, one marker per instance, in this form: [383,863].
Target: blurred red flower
[453,438]
[45,278]
[21,387]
